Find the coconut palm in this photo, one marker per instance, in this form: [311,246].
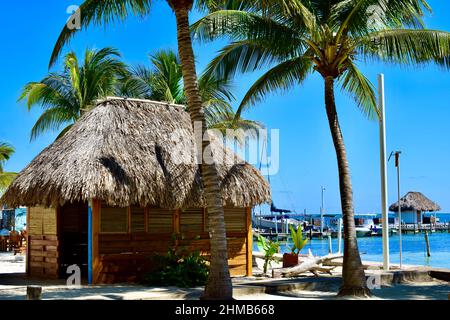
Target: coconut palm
[163,81]
[104,12]
[295,38]
[65,96]
[6,151]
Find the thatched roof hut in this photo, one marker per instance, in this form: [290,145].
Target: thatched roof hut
[124,182]
[415,201]
[132,152]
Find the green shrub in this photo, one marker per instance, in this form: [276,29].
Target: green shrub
[270,248]
[297,239]
[182,271]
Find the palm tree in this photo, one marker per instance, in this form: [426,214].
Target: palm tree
[298,37]
[65,96]
[104,12]
[6,151]
[164,82]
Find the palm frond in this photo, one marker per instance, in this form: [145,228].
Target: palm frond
[64,131]
[94,12]
[6,151]
[51,119]
[282,76]
[238,25]
[6,178]
[362,91]
[354,16]
[139,83]
[214,89]
[65,96]
[407,47]
[246,56]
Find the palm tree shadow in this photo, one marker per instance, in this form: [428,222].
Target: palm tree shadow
[116,170]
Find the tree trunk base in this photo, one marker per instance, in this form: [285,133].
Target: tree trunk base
[362,292]
[206,297]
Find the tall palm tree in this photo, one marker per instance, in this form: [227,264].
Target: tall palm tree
[163,81]
[6,151]
[104,12]
[65,96]
[298,37]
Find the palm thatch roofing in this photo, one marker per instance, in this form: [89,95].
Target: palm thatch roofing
[125,152]
[415,201]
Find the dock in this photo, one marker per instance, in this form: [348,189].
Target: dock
[422,228]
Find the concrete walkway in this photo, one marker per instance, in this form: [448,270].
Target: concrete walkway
[403,285]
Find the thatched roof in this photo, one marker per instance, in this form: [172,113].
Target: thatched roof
[415,201]
[124,153]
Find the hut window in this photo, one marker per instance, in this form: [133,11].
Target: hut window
[160,220]
[114,220]
[137,219]
[191,220]
[235,219]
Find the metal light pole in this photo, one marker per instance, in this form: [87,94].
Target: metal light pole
[322,208]
[383,172]
[397,164]
[340,235]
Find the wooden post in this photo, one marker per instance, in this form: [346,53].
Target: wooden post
[176,227]
[146,210]
[427,243]
[34,293]
[95,241]
[93,233]
[330,248]
[90,205]
[249,243]
[176,221]
[27,261]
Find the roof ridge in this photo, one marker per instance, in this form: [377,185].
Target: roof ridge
[109,98]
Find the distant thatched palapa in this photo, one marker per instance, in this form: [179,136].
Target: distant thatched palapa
[415,201]
[122,185]
[412,206]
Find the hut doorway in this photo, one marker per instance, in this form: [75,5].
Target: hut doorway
[73,236]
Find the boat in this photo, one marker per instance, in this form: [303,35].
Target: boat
[363,231]
[365,225]
[274,223]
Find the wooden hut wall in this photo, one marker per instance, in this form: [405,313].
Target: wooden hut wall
[124,250]
[43,253]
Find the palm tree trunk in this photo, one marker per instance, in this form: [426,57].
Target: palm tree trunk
[354,281]
[219,284]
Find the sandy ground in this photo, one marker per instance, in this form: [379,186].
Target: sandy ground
[434,290]
[9,263]
[13,287]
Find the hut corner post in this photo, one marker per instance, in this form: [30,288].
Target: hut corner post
[27,261]
[249,243]
[93,231]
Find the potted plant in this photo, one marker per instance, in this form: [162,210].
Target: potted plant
[270,248]
[298,242]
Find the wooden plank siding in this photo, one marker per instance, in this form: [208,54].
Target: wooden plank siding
[125,257]
[43,243]
[249,243]
[124,254]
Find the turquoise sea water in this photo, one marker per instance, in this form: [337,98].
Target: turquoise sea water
[413,248]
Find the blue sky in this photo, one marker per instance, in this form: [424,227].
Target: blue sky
[418,108]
